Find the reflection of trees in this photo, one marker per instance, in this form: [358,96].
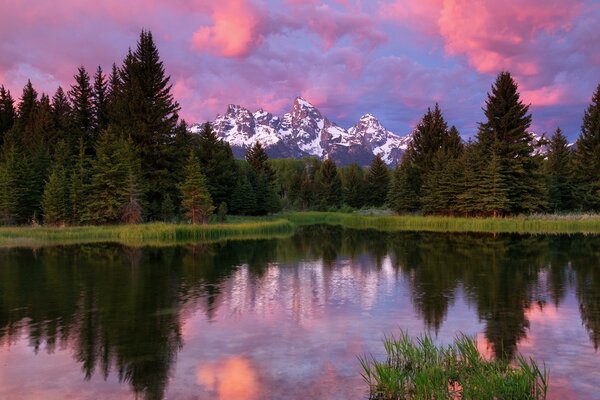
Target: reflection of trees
[120,308]
[585,252]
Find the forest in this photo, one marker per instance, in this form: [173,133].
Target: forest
[112,149]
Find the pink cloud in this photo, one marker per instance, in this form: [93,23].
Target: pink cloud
[235,30]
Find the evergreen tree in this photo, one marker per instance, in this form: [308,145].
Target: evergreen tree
[257,157]
[80,181]
[8,113]
[329,186]
[353,187]
[56,205]
[147,112]
[217,163]
[493,199]
[81,97]
[167,209]
[505,133]
[26,113]
[403,195]
[55,197]
[100,101]
[587,157]
[307,191]
[132,209]
[243,199]
[558,173]
[378,182]
[9,196]
[110,189]
[61,116]
[196,202]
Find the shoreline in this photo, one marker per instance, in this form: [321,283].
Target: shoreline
[285,224]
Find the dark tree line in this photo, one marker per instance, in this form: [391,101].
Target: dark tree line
[112,149]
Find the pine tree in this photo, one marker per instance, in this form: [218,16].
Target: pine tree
[243,198]
[26,113]
[505,133]
[132,209]
[329,186]
[403,195]
[54,199]
[353,187]
[147,112]
[61,116]
[217,163]
[258,159]
[81,97]
[196,199]
[100,101]
[80,181]
[493,198]
[558,173]
[167,209]
[8,113]
[109,190]
[9,196]
[378,182]
[587,157]
[56,204]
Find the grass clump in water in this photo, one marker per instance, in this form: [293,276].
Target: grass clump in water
[418,369]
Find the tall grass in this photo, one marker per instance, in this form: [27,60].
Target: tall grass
[147,234]
[554,224]
[417,369]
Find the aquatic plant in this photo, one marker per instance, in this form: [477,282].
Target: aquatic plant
[418,369]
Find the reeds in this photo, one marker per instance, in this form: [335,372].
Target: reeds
[147,234]
[547,224]
[418,369]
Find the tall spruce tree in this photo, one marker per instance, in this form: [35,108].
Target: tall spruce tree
[109,190]
[263,180]
[403,195]
[81,97]
[80,182]
[8,114]
[9,195]
[147,112]
[329,186]
[353,186]
[505,135]
[196,200]
[378,182]
[56,205]
[26,114]
[100,101]
[243,198]
[217,162]
[559,174]
[61,116]
[587,157]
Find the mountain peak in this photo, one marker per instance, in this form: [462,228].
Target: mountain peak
[302,102]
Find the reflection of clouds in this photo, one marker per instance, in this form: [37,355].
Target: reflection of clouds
[229,378]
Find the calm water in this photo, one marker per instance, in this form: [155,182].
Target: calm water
[285,319]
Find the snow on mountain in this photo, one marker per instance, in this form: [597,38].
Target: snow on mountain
[304,131]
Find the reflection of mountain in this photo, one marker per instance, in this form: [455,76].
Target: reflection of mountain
[120,310]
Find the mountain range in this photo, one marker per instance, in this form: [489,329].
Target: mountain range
[305,132]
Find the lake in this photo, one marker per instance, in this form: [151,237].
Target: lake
[287,318]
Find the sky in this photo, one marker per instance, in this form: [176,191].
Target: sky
[390,58]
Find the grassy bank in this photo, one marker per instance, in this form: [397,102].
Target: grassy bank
[417,369]
[284,225]
[147,234]
[548,224]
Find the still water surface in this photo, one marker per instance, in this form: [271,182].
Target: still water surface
[285,319]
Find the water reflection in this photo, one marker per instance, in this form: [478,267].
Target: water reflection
[233,317]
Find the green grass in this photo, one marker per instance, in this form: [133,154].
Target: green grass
[147,234]
[417,369]
[284,225]
[547,224]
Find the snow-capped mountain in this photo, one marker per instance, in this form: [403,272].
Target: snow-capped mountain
[304,131]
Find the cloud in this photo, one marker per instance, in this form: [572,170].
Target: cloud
[235,30]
